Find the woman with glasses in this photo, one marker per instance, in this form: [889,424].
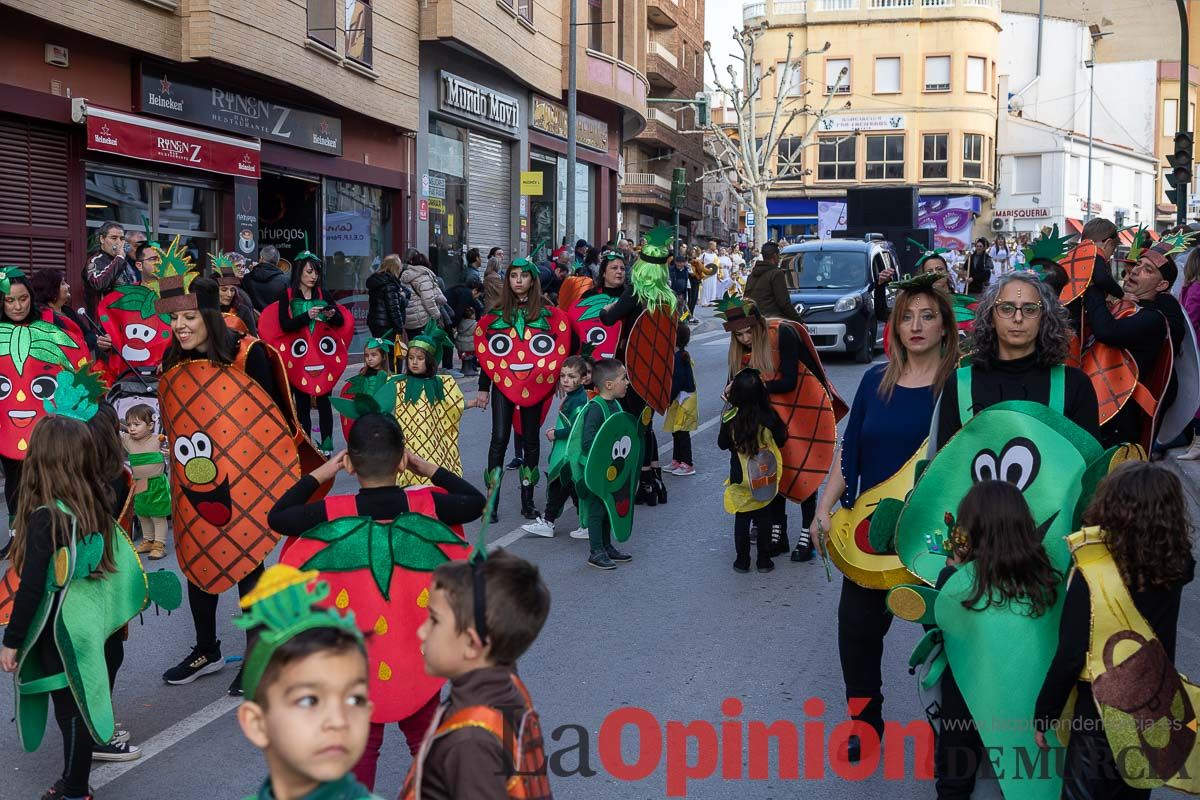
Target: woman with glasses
[1021,339]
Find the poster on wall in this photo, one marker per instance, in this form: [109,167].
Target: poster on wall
[348,232]
[950,219]
[831,216]
[245,216]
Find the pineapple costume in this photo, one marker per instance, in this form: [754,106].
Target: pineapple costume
[429,409]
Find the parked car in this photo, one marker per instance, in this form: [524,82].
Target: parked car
[832,286]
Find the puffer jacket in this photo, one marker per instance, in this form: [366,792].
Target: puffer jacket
[426,296]
[387,303]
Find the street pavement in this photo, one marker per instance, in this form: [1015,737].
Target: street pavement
[672,636]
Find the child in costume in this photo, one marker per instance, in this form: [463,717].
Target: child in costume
[1132,563]
[485,740]
[376,453]
[612,383]
[752,432]
[370,379]
[560,487]
[682,415]
[996,535]
[299,649]
[152,492]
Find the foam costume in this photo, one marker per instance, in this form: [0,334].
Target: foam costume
[760,474]
[811,411]
[81,606]
[315,355]
[1148,708]
[232,445]
[604,340]
[283,605]
[1056,465]
[608,472]
[140,333]
[650,351]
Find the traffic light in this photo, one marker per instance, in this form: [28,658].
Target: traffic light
[1180,176]
[701,110]
[678,188]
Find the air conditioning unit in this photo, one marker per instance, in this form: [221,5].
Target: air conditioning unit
[997,225]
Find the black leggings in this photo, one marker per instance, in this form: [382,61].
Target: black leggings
[204,609]
[12,485]
[693,296]
[863,621]
[502,423]
[304,404]
[634,404]
[683,446]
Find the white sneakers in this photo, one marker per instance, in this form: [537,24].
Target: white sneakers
[579,533]
[539,527]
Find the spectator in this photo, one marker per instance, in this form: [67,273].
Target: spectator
[387,300]
[678,273]
[978,267]
[466,304]
[493,278]
[265,283]
[581,251]
[427,298]
[767,286]
[695,276]
[107,269]
[50,289]
[473,272]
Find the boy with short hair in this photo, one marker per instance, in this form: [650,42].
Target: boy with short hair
[560,487]
[305,689]
[611,383]
[375,454]
[486,738]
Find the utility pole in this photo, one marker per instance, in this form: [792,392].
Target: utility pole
[1091,66]
[1185,69]
[572,118]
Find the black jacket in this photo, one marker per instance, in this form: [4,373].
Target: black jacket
[265,284]
[387,301]
[460,299]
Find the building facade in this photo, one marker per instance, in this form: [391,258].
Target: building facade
[232,135]
[920,79]
[667,38]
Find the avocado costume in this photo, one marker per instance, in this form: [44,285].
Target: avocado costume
[608,473]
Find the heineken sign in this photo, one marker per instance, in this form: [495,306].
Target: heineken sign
[165,94]
[478,102]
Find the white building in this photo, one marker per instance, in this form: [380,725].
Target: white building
[1042,142]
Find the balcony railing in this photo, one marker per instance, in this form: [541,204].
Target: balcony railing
[890,4]
[664,118]
[663,52]
[759,9]
[647,179]
[756,9]
[790,6]
[837,5]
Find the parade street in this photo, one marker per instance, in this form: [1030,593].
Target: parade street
[674,634]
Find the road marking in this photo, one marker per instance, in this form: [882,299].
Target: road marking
[102,776]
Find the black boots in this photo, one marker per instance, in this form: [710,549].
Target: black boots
[804,547]
[741,543]
[528,510]
[660,488]
[647,492]
[763,562]
[779,538]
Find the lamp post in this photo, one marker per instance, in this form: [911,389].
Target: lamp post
[1096,34]
[573,39]
[1185,69]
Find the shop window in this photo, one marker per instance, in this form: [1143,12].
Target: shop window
[171,209]
[359,21]
[837,76]
[836,158]
[322,22]
[885,157]
[937,73]
[447,196]
[973,155]
[934,156]
[357,235]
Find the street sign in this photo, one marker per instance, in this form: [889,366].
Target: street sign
[423,211]
[749,219]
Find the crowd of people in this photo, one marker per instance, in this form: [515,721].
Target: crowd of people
[993,482]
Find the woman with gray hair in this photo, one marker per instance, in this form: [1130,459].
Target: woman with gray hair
[1020,344]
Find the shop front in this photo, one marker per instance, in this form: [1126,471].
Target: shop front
[472,139]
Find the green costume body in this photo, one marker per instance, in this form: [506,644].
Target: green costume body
[155,501]
[605,452]
[568,414]
[346,788]
[91,607]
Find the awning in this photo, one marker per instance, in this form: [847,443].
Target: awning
[167,143]
[781,221]
[1074,226]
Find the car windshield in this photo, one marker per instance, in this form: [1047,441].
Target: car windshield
[830,269]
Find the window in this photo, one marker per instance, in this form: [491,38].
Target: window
[837,76]
[696,64]
[1073,174]
[836,158]
[595,28]
[937,73]
[358,31]
[976,74]
[1027,174]
[1170,117]
[322,22]
[1191,116]
[885,157]
[934,157]
[973,155]
[525,10]
[792,79]
[358,224]
[1139,185]
[887,75]
[788,149]
[1107,184]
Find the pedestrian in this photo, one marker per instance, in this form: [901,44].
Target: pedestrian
[387,301]
[65,499]
[708,261]
[52,292]
[888,423]
[1189,297]
[752,432]
[611,383]
[993,532]
[151,491]
[379,449]
[427,298]
[1000,256]
[978,268]
[315,654]
[682,417]
[473,271]
[678,274]
[560,487]
[265,282]
[1131,565]
[235,302]
[695,276]
[493,278]
[767,286]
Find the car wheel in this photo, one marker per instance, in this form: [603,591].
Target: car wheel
[866,353]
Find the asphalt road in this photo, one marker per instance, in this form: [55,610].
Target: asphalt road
[672,636]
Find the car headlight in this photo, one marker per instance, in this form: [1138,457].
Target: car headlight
[847,303]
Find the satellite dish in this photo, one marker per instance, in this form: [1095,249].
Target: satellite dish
[1015,104]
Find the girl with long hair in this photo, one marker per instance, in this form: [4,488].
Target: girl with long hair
[888,422]
[995,534]
[752,427]
[1020,342]
[1144,525]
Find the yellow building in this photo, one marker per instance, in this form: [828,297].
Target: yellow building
[920,79]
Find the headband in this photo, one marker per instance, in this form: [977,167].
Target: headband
[524,265]
[7,274]
[223,269]
[78,394]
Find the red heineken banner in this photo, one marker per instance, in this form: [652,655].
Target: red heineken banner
[154,140]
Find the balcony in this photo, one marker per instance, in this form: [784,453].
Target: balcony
[663,13]
[611,79]
[662,67]
[647,179]
[647,188]
[777,11]
[753,11]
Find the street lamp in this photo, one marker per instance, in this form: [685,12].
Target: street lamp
[1096,34]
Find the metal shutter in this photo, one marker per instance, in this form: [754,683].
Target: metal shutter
[35,199]
[489,187]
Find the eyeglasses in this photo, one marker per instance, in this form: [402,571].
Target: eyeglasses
[1008,310]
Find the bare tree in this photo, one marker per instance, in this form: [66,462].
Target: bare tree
[751,165]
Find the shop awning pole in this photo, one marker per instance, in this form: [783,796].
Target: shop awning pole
[573,37]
